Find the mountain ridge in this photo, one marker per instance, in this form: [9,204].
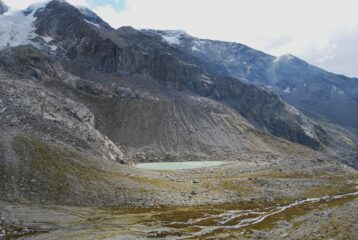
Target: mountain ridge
[157,63]
[97,48]
[312,90]
[195,78]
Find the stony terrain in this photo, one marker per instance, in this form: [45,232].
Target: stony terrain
[247,190]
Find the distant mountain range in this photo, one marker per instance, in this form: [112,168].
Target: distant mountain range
[314,91]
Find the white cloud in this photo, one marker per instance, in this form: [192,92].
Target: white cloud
[107,13]
[79,2]
[340,53]
[22,4]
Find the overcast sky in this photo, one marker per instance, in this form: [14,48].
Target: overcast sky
[322,32]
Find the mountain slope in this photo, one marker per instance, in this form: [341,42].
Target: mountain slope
[84,48]
[62,137]
[69,141]
[316,92]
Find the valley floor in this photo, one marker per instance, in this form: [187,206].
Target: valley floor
[330,219]
[256,210]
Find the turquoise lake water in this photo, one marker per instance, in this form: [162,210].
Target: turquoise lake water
[179,165]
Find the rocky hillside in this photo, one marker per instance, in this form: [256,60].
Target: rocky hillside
[94,48]
[149,125]
[318,93]
[80,101]
[132,63]
[66,140]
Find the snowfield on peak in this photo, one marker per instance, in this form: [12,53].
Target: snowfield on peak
[16,28]
[170,36]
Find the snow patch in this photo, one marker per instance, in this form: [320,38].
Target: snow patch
[292,110]
[248,68]
[287,90]
[53,47]
[337,90]
[287,57]
[172,37]
[283,58]
[308,131]
[197,46]
[94,24]
[194,48]
[16,28]
[199,42]
[47,39]
[340,92]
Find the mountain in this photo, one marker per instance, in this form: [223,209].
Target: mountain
[315,92]
[127,51]
[152,80]
[78,97]
[81,103]
[127,96]
[141,66]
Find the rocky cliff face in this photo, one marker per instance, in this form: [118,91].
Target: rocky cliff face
[25,101]
[275,116]
[29,62]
